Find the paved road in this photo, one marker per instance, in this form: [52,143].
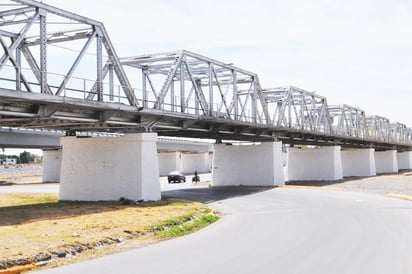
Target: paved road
[279,231]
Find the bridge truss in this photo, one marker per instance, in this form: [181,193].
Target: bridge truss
[59,70]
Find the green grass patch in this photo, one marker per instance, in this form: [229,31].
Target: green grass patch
[183,225]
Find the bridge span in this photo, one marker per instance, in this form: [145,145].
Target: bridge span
[60,70]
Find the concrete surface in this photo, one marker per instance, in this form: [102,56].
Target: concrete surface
[248,164]
[106,168]
[279,231]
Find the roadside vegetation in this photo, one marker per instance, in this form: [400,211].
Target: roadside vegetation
[37,230]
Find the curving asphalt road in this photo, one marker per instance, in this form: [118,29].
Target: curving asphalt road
[279,231]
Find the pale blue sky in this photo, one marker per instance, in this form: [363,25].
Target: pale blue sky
[353,52]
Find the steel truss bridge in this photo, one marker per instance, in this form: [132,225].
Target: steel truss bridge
[60,71]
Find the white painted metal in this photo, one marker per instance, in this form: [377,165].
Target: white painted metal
[349,121]
[292,107]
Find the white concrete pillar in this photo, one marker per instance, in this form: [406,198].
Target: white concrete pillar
[169,161]
[192,162]
[251,165]
[52,160]
[386,161]
[108,168]
[358,162]
[405,160]
[320,164]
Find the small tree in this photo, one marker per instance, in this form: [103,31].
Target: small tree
[26,157]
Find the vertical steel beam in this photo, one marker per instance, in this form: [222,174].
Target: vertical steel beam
[172,96]
[99,63]
[210,66]
[289,102]
[235,95]
[43,51]
[18,69]
[182,88]
[254,101]
[144,87]
[111,83]
[302,112]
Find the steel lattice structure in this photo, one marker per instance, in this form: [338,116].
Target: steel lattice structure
[60,70]
[295,108]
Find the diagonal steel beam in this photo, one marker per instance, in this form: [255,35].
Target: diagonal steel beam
[199,93]
[75,64]
[15,63]
[19,39]
[168,81]
[34,67]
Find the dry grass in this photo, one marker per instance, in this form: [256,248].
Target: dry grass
[38,223]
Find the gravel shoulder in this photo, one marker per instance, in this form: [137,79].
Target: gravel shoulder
[400,183]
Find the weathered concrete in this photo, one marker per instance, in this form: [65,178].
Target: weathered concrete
[358,162]
[52,161]
[386,161]
[108,168]
[321,163]
[169,161]
[404,160]
[248,165]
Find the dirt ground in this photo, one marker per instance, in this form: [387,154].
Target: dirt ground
[35,227]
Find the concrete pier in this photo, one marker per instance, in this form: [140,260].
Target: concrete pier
[386,161]
[320,164]
[249,165]
[108,168]
[404,160]
[52,161]
[358,162]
